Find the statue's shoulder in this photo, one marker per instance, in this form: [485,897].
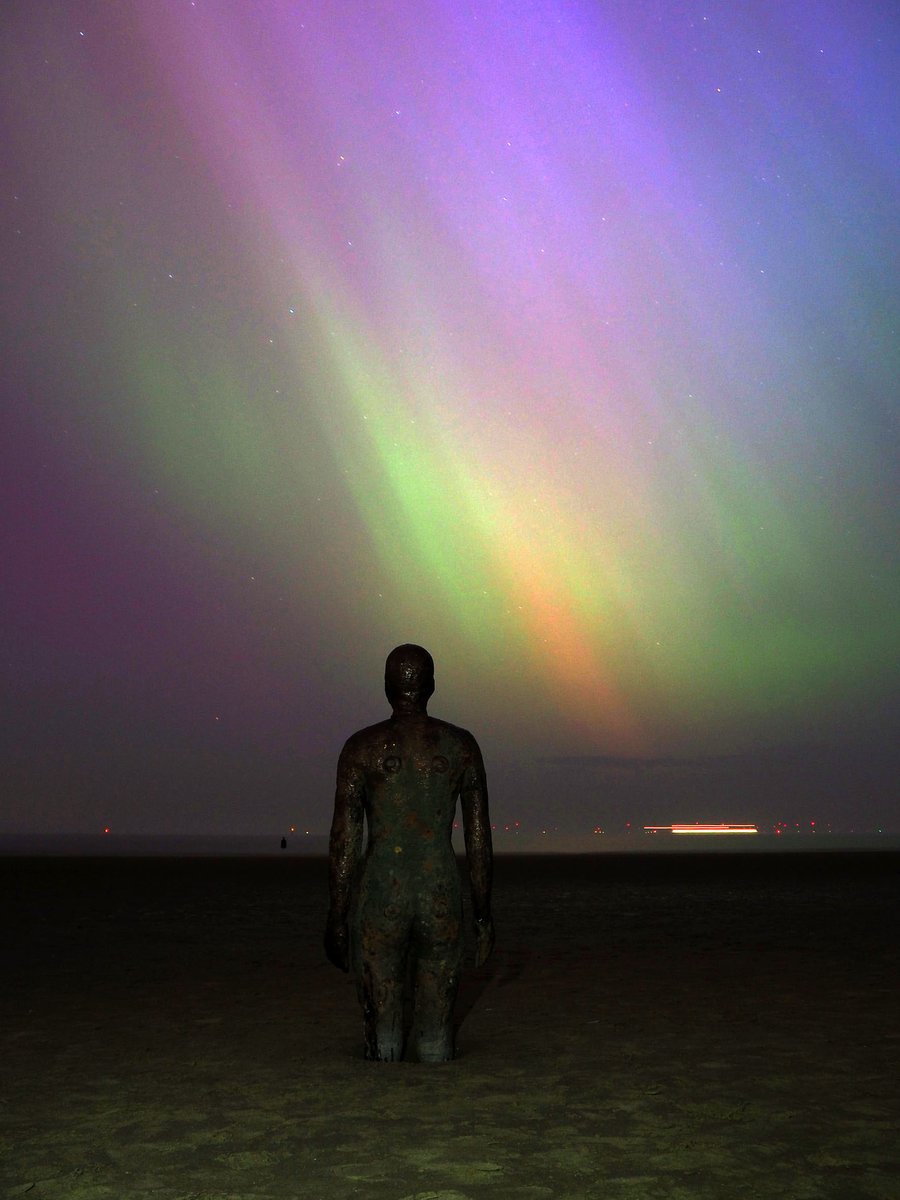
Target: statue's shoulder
[462,738]
[357,744]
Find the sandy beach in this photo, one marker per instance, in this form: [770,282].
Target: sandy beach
[716,1028]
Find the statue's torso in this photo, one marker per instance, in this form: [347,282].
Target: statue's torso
[413,768]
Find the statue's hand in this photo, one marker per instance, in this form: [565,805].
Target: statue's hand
[337,942]
[484,940]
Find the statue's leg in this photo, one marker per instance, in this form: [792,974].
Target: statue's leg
[380,939]
[437,982]
[438,963]
[382,1001]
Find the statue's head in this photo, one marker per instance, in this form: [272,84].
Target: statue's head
[409,677]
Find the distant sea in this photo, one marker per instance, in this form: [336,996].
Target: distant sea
[269,846]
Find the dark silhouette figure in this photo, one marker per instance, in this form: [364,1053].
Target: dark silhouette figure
[284,843]
[396,913]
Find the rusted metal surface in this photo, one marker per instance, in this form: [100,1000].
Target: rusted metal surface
[395,915]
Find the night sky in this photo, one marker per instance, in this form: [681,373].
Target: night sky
[560,338]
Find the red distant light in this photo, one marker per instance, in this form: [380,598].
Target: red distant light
[106,829]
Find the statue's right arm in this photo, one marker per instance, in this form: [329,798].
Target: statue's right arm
[344,849]
[473,798]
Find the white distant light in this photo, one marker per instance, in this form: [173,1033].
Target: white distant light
[697,828]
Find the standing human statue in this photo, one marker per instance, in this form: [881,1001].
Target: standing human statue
[395,912]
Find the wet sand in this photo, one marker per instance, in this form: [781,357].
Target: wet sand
[648,1029]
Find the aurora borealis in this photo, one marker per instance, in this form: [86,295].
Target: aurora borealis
[560,338]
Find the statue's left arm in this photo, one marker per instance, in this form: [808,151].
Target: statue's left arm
[473,797]
[344,848]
